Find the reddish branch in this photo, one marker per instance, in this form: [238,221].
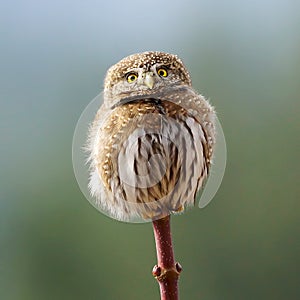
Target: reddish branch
[166,271]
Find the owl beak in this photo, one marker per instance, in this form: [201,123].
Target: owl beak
[149,80]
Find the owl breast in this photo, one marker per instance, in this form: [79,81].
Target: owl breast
[153,159]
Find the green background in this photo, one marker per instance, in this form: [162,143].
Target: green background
[243,55]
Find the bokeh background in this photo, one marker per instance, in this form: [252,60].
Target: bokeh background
[243,55]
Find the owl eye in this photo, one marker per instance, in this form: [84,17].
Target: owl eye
[162,72]
[131,77]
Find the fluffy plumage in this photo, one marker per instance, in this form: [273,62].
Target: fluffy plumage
[150,147]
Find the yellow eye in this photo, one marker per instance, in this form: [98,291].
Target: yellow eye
[131,77]
[162,72]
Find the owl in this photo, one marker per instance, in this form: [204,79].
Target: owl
[152,140]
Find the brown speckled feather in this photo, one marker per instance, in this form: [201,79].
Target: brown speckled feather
[150,153]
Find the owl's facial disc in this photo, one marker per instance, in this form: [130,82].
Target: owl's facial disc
[144,79]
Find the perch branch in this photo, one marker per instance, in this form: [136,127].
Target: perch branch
[166,271]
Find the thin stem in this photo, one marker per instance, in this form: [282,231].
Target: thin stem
[166,271]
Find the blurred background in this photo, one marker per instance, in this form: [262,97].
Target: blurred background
[243,55]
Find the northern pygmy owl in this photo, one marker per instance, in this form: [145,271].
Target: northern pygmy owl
[152,140]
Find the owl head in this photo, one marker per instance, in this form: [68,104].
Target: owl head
[144,74]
